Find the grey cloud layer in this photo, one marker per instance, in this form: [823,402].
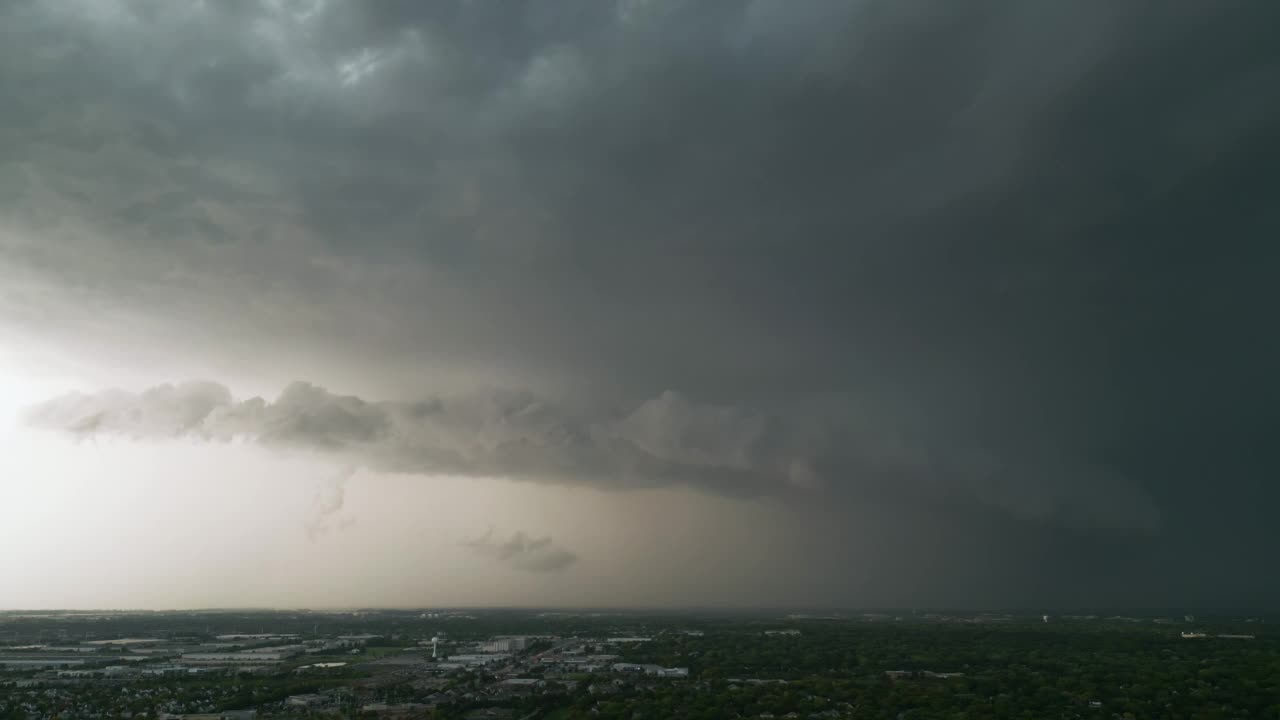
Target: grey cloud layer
[666,440]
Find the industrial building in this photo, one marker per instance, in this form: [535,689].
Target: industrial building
[35,662]
[477,660]
[307,700]
[655,670]
[126,642]
[356,640]
[283,650]
[236,658]
[505,644]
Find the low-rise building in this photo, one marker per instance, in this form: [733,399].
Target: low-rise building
[126,642]
[235,658]
[163,671]
[356,640]
[655,670]
[281,650]
[519,686]
[305,700]
[478,659]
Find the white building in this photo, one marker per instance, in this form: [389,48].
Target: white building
[244,658]
[355,640]
[126,642]
[281,650]
[655,670]
[478,659]
[505,645]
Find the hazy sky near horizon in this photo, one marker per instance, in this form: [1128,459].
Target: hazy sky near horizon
[638,302]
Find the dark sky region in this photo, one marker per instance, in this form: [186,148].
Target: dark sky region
[745,302]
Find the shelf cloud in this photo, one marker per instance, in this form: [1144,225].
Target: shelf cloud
[666,440]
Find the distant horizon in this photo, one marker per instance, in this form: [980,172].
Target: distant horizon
[797,610]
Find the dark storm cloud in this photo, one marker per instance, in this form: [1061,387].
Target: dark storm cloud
[1018,252]
[521,552]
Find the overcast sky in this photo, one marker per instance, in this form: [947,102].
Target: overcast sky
[639,302]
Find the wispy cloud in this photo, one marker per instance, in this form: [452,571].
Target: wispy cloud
[522,552]
[325,512]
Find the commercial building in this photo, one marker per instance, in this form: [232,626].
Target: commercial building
[476,660]
[282,650]
[578,663]
[356,640]
[30,662]
[505,644]
[164,671]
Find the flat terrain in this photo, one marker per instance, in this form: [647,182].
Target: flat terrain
[562,666]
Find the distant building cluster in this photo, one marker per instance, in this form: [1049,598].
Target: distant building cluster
[472,660]
[416,670]
[1225,636]
[921,674]
[655,670]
